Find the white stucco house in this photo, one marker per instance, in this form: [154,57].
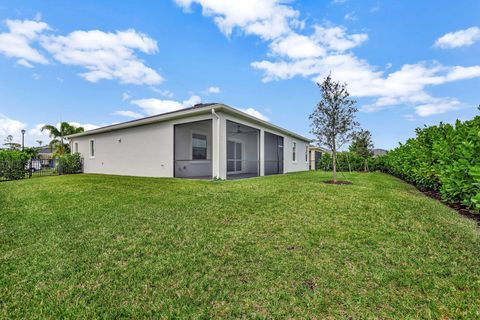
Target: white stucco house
[204,141]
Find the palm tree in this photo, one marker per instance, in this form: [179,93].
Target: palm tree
[58,134]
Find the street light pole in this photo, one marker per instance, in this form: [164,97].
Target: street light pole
[23,139]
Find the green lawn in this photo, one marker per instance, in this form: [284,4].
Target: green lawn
[93,246]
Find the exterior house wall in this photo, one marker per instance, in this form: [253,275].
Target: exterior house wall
[136,151]
[148,150]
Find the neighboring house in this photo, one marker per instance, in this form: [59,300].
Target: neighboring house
[45,156]
[314,154]
[379,152]
[204,141]
[45,153]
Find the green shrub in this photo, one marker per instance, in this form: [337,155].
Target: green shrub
[69,163]
[346,161]
[444,158]
[13,164]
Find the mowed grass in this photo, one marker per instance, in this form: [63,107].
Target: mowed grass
[291,246]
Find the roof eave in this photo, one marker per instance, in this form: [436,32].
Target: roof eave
[144,121]
[183,113]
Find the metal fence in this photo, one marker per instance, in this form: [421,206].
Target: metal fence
[32,168]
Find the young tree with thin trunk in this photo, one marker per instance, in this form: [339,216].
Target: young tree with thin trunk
[363,146]
[333,120]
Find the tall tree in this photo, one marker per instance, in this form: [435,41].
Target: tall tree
[10,144]
[363,146]
[59,142]
[333,120]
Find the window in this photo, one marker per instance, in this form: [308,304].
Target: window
[199,146]
[294,152]
[92,148]
[75,147]
[306,154]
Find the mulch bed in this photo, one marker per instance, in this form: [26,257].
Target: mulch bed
[338,182]
[455,206]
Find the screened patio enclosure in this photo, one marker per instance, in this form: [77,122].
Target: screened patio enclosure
[242,151]
[273,154]
[193,150]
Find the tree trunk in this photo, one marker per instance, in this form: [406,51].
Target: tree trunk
[365,166]
[349,166]
[334,165]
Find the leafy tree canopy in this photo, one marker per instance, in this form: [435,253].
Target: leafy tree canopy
[333,120]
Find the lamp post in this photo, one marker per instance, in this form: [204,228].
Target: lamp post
[23,139]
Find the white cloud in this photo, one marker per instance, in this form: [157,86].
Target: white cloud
[85,126]
[438,106]
[339,1]
[154,106]
[405,86]
[193,100]
[36,134]
[24,63]
[126,96]
[350,16]
[105,55]
[128,114]
[267,19]
[324,41]
[213,89]
[17,42]
[297,46]
[164,93]
[461,38]
[254,113]
[12,127]
[329,49]
[337,39]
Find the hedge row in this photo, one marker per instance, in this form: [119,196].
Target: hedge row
[444,158]
[350,161]
[13,164]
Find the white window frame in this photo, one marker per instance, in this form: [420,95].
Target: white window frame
[294,151]
[203,133]
[75,147]
[90,148]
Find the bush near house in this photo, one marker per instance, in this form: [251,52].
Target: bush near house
[444,158]
[70,163]
[12,164]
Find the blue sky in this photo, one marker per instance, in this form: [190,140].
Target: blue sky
[408,63]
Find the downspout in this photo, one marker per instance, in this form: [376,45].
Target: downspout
[217,155]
